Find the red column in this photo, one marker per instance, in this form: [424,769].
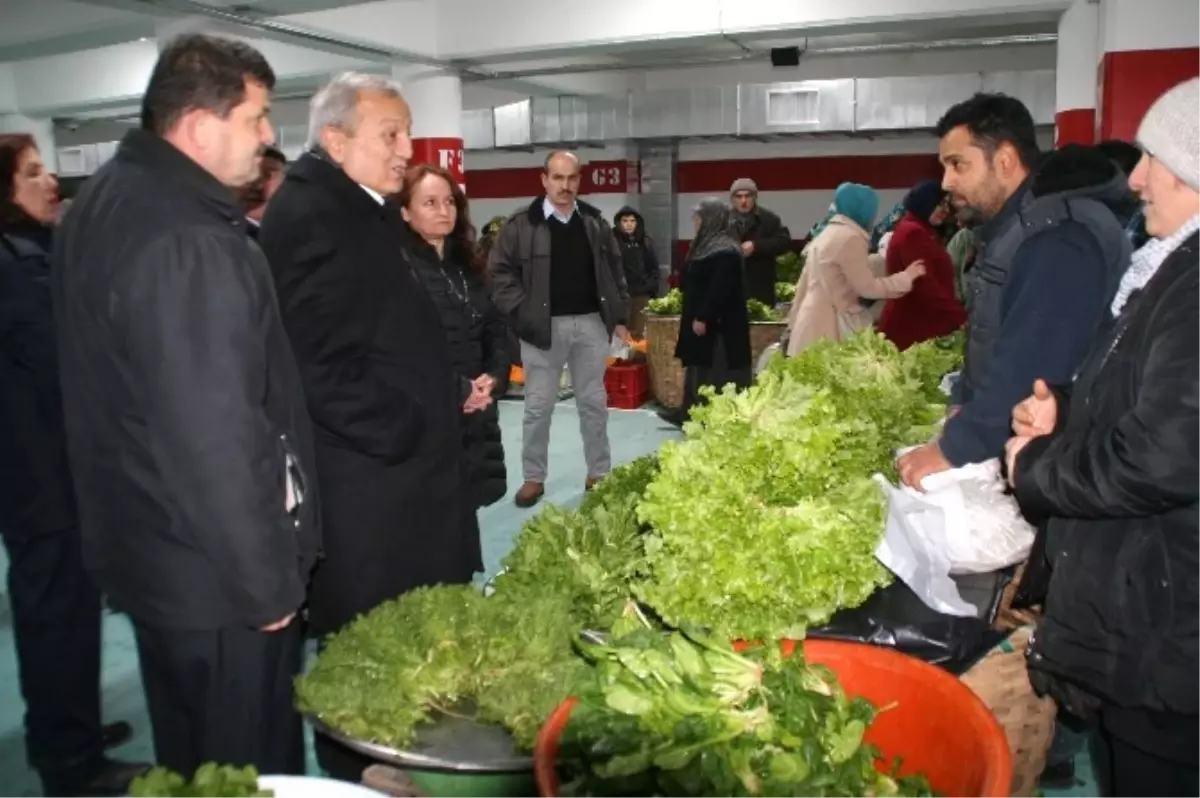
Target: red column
[444,152]
[1131,80]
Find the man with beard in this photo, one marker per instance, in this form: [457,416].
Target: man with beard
[1050,254]
[255,196]
[763,238]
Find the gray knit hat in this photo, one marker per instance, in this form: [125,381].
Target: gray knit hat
[1170,131]
[743,184]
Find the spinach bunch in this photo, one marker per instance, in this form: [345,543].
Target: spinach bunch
[211,780]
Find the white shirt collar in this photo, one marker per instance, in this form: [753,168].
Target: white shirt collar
[548,210]
[375,195]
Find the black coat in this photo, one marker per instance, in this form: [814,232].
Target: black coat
[476,334]
[382,392]
[713,293]
[36,495]
[638,257]
[182,400]
[1117,483]
[771,239]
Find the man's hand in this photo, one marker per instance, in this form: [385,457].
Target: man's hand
[1011,450]
[1037,415]
[920,463]
[480,398]
[699,327]
[282,623]
[622,332]
[747,248]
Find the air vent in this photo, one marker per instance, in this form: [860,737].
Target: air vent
[793,107]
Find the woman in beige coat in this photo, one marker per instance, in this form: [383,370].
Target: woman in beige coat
[837,274]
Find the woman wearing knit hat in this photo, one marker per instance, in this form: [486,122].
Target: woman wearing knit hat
[931,309]
[1110,463]
[837,275]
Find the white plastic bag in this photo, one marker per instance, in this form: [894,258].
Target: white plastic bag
[963,523]
[764,359]
[618,348]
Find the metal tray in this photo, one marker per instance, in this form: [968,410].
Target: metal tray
[449,742]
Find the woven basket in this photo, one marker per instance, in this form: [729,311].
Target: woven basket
[762,335]
[666,372]
[1001,680]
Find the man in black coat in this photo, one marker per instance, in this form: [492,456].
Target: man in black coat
[377,371]
[763,237]
[188,439]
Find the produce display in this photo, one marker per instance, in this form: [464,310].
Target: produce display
[681,713]
[672,305]
[761,522]
[765,519]
[785,292]
[210,780]
[788,267]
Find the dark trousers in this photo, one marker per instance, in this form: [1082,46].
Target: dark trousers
[1147,753]
[223,696]
[56,629]
[718,375]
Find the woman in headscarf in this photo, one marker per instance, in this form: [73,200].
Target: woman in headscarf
[931,309]
[714,331]
[837,275]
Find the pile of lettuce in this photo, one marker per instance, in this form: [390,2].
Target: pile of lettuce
[765,519]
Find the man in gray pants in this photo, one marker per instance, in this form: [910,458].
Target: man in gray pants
[556,273]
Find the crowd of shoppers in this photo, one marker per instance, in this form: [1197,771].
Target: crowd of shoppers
[247,401]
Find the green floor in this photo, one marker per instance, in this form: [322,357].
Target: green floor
[632,433]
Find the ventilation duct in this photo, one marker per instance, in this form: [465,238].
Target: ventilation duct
[750,110]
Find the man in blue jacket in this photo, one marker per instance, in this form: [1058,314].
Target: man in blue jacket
[1050,254]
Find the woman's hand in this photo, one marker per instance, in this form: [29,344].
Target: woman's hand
[1037,415]
[915,269]
[481,394]
[699,327]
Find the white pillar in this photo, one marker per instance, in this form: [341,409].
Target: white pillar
[1075,73]
[42,131]
[435,98]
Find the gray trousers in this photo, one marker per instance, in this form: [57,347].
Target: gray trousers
[580,343]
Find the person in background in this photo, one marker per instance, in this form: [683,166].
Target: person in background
[557,275]
[885,226]
[1127,156]
[641,266]
[483,252]
[714,331]
[962,250]
[763,237]
[255,196]
[1110,461]
[378,372]
[439,246]
[1050,252]
[837,275]
[55,604]
[931,309]
[189,443]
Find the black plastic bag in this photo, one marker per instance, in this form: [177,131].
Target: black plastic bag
[1035,580]
[896,618]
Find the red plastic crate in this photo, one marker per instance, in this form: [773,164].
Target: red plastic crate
[627,384]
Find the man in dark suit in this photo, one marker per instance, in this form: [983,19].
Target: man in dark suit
[187,434]
[255,196]
[377,370]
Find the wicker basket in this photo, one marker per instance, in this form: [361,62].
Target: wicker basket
[762,335]
[1001,680]
[666,372]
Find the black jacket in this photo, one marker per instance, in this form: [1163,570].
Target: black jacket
[476,334]
[771,239]
[1117,482]
[519,266]
[638,257]
[36,495]
[713,293]
[181,397]
[382,392]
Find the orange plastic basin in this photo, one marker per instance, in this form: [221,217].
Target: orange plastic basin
[939,727]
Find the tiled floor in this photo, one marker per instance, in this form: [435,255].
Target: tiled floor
[632,433]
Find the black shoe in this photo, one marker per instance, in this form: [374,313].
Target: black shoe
[104,777]
[115,734]
[675,418]
[1058,775]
